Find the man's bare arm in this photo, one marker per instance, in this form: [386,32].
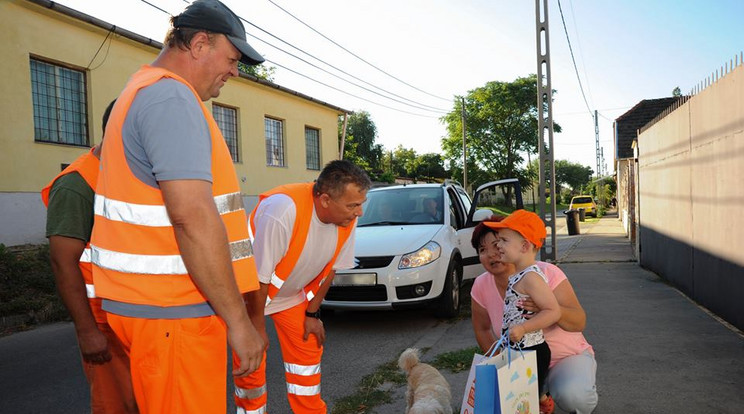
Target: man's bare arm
[65,258]
[202,240]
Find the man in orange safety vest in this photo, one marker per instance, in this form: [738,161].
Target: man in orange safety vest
[301,234]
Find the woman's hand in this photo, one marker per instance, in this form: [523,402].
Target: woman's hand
[529,305]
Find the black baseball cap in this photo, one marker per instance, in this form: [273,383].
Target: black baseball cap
[213,16]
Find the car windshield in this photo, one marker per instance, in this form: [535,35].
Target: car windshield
[404,205]
[581,200]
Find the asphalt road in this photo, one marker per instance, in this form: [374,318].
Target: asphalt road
[40,369]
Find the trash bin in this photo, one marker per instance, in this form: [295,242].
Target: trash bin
[582,214]
[572,221]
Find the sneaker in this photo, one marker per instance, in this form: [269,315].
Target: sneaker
[547,406]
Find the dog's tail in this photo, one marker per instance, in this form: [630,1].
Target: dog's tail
[408,359]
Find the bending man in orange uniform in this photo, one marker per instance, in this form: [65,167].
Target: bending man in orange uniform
[302,234]
[69,201]
[170,248]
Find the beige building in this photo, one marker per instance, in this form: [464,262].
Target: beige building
[56,87]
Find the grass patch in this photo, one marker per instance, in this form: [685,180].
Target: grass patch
[456,361]
[369,392]
[27,287]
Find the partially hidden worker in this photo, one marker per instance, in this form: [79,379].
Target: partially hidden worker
[302,234]
[69,201]
[170,248]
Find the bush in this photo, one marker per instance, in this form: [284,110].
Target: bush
[27,285]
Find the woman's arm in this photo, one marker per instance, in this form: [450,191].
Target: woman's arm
[573,317]
[482,326]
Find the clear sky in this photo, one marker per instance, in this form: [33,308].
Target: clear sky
[625,51]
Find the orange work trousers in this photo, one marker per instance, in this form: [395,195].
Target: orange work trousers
[178,366]
[110,382]
[301,369]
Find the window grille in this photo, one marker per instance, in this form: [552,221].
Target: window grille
[274,130]
[312,148]
[60,104]
[227,120]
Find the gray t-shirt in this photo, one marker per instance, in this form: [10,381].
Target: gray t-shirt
[166,136]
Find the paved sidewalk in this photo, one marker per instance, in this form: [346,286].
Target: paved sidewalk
[657,351]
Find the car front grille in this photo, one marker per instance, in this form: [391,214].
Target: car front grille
[373,262]
[357,293]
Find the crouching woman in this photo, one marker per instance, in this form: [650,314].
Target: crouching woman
[571,379]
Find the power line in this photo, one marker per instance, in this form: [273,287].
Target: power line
[355,55]
[565,30]
[413,104]
[348,93]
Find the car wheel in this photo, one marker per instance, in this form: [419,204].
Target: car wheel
[448,305]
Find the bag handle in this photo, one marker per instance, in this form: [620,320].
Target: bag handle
[503,342]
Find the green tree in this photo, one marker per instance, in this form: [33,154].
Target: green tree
[501,125]
[260,71]
[572,174]
[431,166]
[361,134]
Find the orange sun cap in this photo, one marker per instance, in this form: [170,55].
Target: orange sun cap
[526,223]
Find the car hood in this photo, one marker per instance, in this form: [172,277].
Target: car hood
[393,240]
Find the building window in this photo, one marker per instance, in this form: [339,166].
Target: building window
[227,120]
[60,107]
[274,130]
[312,148]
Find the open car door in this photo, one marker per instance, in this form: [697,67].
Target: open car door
[499,197]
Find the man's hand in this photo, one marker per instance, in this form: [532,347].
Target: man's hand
[315,327]
[94,347]
[249,347]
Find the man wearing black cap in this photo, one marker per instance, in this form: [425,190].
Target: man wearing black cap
[170,249]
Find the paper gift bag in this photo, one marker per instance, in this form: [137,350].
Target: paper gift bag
[507,383]
[468,398]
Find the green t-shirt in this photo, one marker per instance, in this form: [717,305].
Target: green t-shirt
[70,210]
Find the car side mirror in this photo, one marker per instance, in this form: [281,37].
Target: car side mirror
[482,214]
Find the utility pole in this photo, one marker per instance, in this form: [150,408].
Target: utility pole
[464,150]
[545,125]
[596,141]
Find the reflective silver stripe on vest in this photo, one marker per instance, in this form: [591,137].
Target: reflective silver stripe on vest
[90,290]
[241,249]
[310,295]
[304,370]
[157,264]
[138,263]
[250,393]
[140,214]
[155,215]
[227,203]
[250,230]
[302,389]
[260,410]
[276,281]
[85,257]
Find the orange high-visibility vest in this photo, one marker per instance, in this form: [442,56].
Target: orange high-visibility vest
[135,257]
[87,166]
[302,195]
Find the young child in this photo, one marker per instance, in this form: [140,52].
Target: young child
[520,236]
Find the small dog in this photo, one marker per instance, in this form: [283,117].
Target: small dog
[428,392]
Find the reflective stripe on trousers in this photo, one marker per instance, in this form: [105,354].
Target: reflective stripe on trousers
[301,365]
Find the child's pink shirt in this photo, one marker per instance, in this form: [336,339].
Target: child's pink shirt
[562,343]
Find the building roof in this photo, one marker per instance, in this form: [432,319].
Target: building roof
[628,124]
[67,11]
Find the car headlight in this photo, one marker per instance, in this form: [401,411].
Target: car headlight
[425,255]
